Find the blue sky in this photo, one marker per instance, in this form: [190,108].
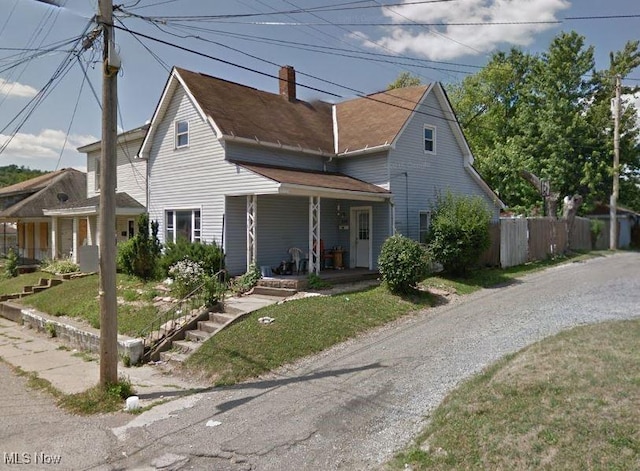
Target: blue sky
[447,54]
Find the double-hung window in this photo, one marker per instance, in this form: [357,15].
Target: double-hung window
[429,139]
[183,224]
[182,134]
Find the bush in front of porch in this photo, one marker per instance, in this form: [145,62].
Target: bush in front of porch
[403,263]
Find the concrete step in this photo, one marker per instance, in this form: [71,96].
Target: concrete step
[37,289]
[27,290]
[272,291]
[231,310]
[54,282]
[185,346]
[223,317]
[197,335]
[173,357]
[209,326]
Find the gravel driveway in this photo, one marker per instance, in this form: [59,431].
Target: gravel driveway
[352,407]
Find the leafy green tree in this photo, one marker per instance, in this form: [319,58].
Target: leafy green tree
[405,79]
[11,174]
[140,255]
[548,114]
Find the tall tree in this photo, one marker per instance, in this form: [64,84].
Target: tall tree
[548,114]
[405,79]
[11,174]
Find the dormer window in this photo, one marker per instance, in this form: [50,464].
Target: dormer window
[182,134]
[429,139]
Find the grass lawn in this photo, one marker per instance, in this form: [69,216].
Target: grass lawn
[249,348]
[491,277]
[567,402]
[15,285]
[79,298]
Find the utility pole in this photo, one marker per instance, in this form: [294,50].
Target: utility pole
[613,204]
[107,213]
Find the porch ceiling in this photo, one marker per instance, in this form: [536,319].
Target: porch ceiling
[314,183]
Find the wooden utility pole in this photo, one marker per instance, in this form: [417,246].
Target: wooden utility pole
[613,204]
[107,213]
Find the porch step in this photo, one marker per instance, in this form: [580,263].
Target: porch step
[173,357]
[198,335]
[272,291]
[291,283]
[209,326]
[224,317]
[185,346]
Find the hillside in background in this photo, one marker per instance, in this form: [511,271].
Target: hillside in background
[10,174]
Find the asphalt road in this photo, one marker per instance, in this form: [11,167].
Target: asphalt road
[351,407]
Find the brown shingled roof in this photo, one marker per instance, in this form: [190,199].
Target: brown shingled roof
[330,180]
[376,120]
[33,184]
[45,194]
[243,111]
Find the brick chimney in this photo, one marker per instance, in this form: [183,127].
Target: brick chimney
[288,82]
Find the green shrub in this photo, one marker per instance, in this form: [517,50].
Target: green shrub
[213,290]
[11,264]
[315,282]
[209,256]
[403,263]
[140,255]
[187,275]
[244,283]
[459,232]
[596,227]
[60,265]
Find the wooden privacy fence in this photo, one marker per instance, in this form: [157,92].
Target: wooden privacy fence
[515,241]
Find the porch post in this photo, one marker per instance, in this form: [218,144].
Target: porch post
[314,235]
[54,237]
[89,231]
[252,207]
[74,244]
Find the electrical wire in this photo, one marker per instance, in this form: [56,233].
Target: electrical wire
[73,115]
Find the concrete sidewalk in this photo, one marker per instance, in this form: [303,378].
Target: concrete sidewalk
[71,371]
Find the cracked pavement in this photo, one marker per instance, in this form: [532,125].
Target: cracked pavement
[353,406]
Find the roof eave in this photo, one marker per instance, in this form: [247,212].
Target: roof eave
[309,190]
[366,150]
[274,145]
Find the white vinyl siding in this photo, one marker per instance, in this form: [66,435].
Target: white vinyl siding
[424,221]
[131,172]
[371,168]
[197,176]
[418,178]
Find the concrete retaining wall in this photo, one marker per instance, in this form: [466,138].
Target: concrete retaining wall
[74,334]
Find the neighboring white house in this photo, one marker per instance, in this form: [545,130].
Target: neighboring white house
[81,216]
[261,173]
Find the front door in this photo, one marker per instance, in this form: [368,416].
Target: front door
[362,239]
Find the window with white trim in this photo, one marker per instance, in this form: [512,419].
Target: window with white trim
[182,134]
[183,224]
[429,139]
[425,222]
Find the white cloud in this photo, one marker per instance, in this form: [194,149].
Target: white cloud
[449,42]
[44,145]
[15,89]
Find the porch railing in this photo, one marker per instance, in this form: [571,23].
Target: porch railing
[173,319]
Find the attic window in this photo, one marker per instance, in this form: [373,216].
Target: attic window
[429,139]
[182,134]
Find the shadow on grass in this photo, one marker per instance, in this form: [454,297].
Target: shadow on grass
[268,385]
